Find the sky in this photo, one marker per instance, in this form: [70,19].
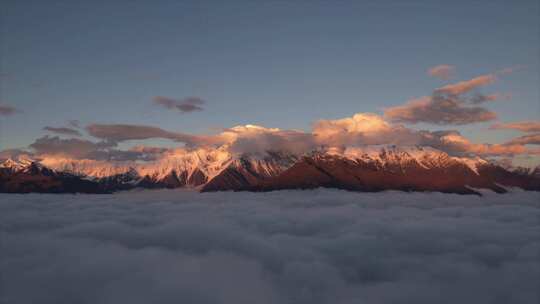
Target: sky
[197,67]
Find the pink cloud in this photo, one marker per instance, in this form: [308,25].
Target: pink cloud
[442,71]
[467,85]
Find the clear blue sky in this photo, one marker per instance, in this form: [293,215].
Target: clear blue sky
[272,63]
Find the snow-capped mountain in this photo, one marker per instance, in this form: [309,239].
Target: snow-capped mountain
[25,175]
[371,168]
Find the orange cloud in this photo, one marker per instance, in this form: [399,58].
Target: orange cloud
[362,129]
[468,85]
[531,139]
[456,142]
[524,126]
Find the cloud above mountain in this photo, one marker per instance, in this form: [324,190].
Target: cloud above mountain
[72,147]
[454,143]
[452,104]
[185,105]
[259,140]
[372,129]
[124,132]
[48,147]
[363,129]
[359,130]
[439,110]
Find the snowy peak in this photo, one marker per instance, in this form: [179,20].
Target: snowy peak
[16,165]
[391,156]
[369,168]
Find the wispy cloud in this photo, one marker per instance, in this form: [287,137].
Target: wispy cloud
[467,85]
[6,110]
[186,105]
[524,126]
[63,131]
[124,132]
[442,71]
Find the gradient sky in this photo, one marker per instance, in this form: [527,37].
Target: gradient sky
[274,63]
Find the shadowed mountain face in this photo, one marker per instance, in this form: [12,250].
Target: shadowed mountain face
[36,178]
[386,168]
[336,172]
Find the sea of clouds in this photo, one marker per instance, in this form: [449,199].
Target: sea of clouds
[319,246]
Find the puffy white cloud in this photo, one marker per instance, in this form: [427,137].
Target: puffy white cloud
[362,129]
[320,246]
[258,140]
[372,129]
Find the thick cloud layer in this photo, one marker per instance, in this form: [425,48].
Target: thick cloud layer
[320,246]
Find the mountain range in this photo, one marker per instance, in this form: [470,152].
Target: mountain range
[371,168]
